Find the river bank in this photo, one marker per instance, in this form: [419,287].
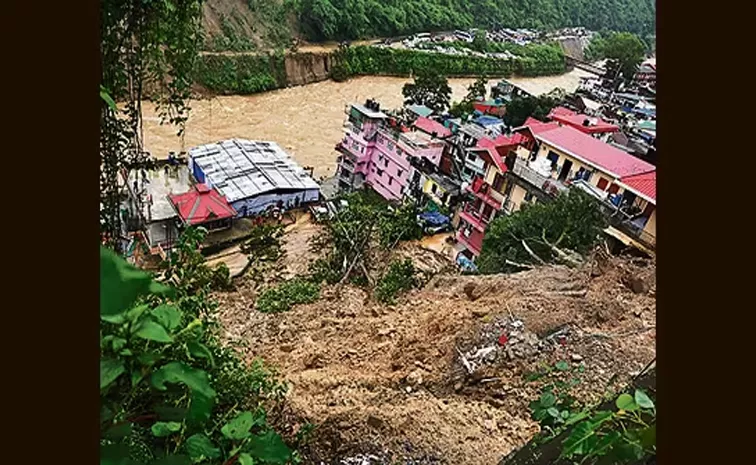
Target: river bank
[306,120]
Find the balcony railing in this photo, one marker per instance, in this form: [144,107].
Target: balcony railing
[522,170]
[485,192]
[474,217]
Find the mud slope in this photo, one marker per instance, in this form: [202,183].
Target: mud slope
[389,381]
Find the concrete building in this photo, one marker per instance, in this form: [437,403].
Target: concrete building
[148,207]
[377,150]
[253,176]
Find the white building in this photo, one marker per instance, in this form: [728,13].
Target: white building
[252,175]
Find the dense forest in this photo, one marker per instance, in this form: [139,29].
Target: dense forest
[351,19]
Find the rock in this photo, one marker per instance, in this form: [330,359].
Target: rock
[576,357]
[458,387]
[469,290]
[423,366]
[286,347]
[415,378]
[396,366]
[314,361]
[498,403]
[636,284]
[490,425]
[375,422]
[386,331]
[480,312]
[408,389]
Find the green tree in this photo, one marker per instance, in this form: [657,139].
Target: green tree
[542,232]
[430,89]
[477,90]
[142,45]
[625,51]
[480,43]
[519,109]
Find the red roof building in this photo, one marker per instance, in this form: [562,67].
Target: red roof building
[593,152]
[643,185]
[202,206]
[431,127]
[582,123]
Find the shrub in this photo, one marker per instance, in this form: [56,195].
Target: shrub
[399,277]
[282,297]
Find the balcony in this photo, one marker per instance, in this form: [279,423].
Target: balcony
[473,242]
[545,183]
[484,192]
[474,217]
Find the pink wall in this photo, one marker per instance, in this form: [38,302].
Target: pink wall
[384,160]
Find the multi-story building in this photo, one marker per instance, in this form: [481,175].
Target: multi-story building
[546,159]
[377,150]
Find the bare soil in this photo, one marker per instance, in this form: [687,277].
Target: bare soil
[389,382]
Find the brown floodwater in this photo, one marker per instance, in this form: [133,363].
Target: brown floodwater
[306,121]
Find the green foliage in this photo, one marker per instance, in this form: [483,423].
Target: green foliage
[283,296]
[520,108]
[573,221]
[352,19]
[477,90]
[187,265]
[241,74]
[429,89]
[349,237]
[624,50]
[399,277]
[167,385]
[143,46]
[461,109]
[623,436]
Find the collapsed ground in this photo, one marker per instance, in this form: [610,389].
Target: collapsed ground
[428,380]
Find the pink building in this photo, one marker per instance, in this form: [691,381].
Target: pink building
[377,149]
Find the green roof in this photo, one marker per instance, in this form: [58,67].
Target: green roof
[421,110]
[648,125]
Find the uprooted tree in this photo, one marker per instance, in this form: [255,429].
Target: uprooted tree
[558,231]
[357,232]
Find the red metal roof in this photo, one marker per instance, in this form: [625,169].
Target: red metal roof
[496,148]
[202,205]
[643,184]
[576,120]
[428,125]
[594,152]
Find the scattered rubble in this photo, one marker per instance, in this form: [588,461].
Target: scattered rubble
[446,375]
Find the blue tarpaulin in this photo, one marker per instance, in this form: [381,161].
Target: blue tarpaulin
[434,218]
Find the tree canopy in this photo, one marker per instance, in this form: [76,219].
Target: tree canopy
[429,89]
[539,232]
[520,108]
[352,19]
[624,50]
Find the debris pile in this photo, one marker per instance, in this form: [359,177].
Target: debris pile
[446,374]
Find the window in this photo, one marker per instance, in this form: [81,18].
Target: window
[602,183]
[528,197]
[471,156]
[390,179]
[391,145]
[498,182]
[380,172]
[399,173]
[434,188]
[553,157]
[399,151]
[386,162]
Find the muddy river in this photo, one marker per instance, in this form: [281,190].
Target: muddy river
[306,121]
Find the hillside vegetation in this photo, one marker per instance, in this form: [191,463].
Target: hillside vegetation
[254,24]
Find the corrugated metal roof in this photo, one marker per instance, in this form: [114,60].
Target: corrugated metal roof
[241,169]
[641,184]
